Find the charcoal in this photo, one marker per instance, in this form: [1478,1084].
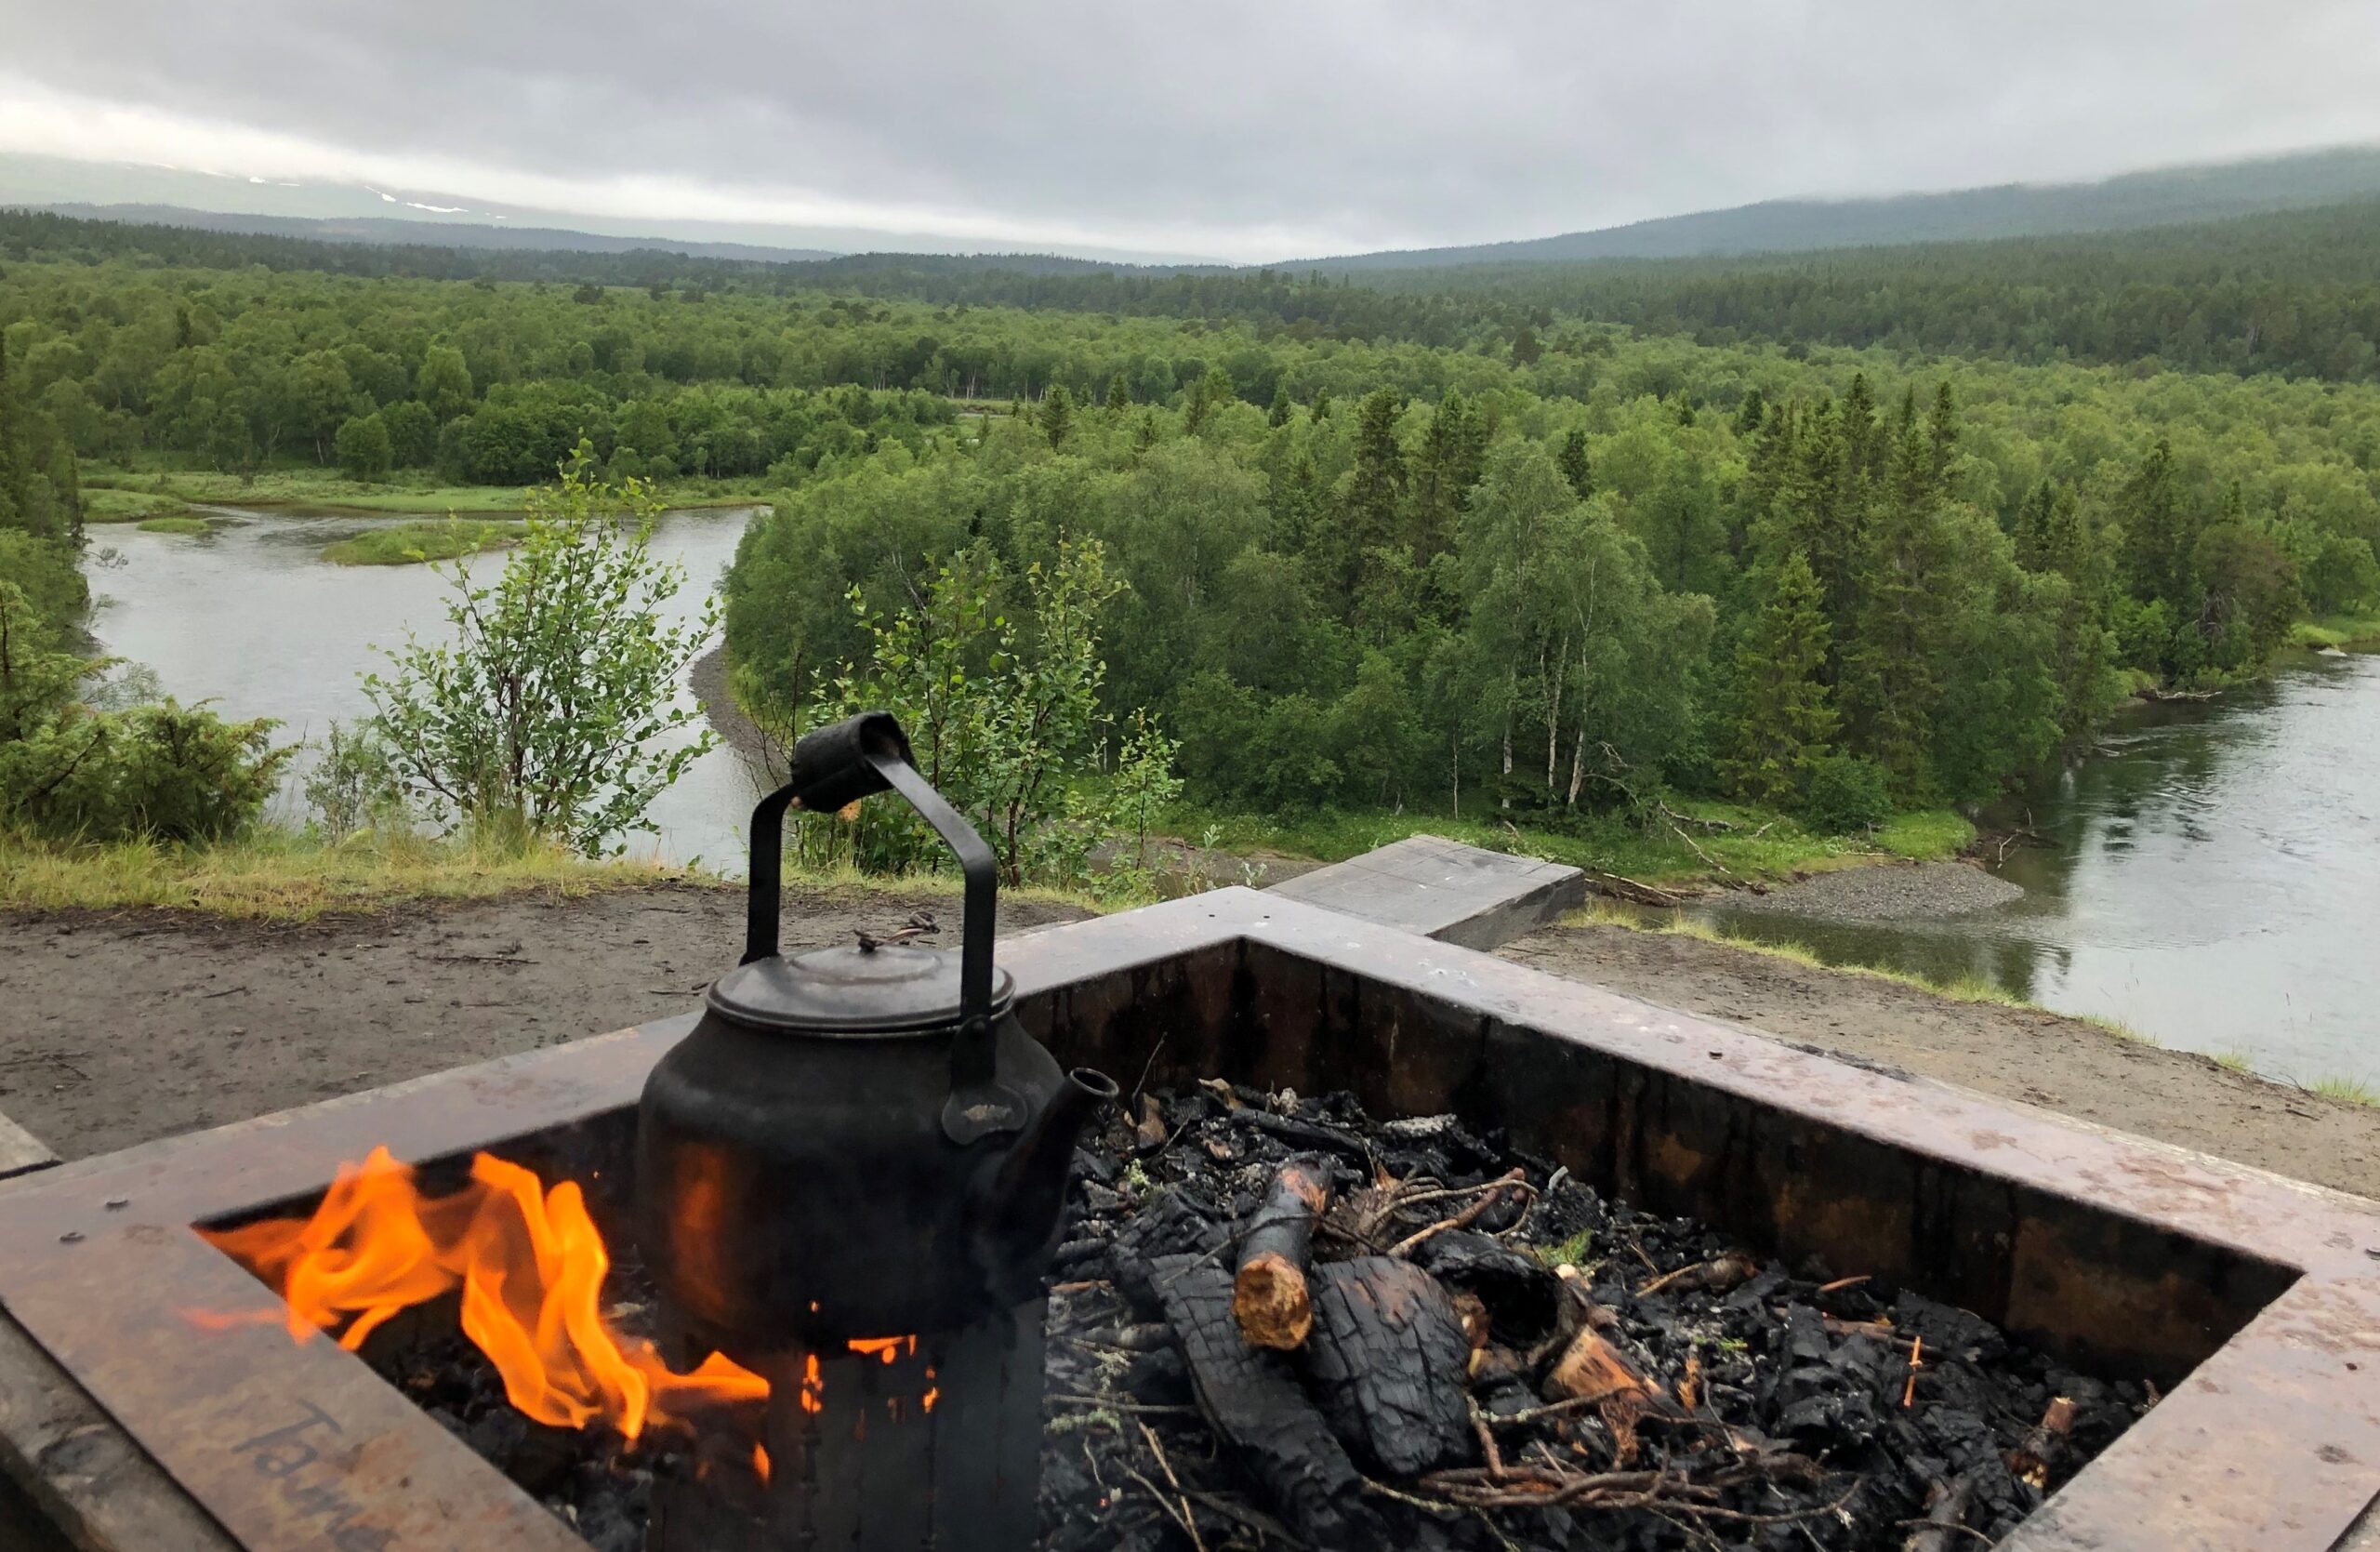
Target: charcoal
[1160,1411]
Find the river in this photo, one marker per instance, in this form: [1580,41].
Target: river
[251,617]
[2214,881]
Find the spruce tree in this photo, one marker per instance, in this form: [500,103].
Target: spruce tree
[2159,533]
[1751,412]
[1057,414]
[1784,715]
[1942,434]
[15,457]
[1283,407]
[1890,691]
[1572,460]
[1319,410]
[1119,394]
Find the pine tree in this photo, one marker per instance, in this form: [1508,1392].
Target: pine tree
[1942,436]
[2158,532]
[1443,473]
[1751,412]
[1784,716]
[1375,492]
[16,455]
[1864,443]
[2032,528]
[1319,410]
[1283,407]
[1057,414]
[1890,691]
[1572,460]
[1822,512]
[1119,394]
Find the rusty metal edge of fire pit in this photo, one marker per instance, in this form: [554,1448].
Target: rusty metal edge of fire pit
[2274,1442]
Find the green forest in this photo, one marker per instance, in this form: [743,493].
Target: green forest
[1827,533]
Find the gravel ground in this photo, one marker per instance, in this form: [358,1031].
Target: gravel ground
[1888,894]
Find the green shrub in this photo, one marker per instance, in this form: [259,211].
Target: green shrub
[1847,792]
[354,786]
[163,771]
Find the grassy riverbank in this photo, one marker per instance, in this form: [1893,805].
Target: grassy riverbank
[411,543]
[1706,843]
[282,876]
[2341,631]
[188,526]
[122,495]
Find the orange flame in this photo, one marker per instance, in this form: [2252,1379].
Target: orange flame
[531,1267]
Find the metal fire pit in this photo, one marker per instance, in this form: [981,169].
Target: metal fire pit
[2255,1301]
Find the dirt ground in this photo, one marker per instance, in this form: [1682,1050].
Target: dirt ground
[119,1028]
[2035,1058]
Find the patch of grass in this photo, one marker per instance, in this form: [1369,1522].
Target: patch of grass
[2115,1027]
[2341,631]
[2348,1090]
[193,526]
[2237,1061]
[1571,1251]
[101,505]
[408,492]
[408,543]
[1928,835]
[282,876]
[1743,842]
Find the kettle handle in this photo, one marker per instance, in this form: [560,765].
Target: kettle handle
[836,765]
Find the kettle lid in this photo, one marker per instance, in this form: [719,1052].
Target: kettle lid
[888,989]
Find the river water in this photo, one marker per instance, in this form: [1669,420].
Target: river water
[2214,881]
[252,618]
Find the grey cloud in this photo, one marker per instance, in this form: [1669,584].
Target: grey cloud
[1391,122]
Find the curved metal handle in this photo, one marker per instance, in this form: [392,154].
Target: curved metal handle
[841,765]
[831,766]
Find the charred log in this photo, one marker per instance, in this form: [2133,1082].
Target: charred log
[1269,1294]
[1389,1357]
[1256,1406]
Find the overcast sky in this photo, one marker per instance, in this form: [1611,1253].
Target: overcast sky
[1217,128]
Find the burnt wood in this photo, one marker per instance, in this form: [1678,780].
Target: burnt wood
[1269,1294]
[1389,1356]
[1255,1403]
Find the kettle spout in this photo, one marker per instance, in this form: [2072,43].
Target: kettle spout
[1047,1146]
[1022,1198]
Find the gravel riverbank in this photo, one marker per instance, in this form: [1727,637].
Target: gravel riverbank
[1887,892]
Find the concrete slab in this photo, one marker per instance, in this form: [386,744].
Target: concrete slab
[1444,889]
[20,1151]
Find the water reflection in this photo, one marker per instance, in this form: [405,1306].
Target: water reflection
[252,618]
[2212,881]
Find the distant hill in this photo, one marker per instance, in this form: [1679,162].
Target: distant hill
[456,234]
[2163,198]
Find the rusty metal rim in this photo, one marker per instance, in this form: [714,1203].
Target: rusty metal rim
[85,1248]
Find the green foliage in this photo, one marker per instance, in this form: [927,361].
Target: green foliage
[1846,794]
[353,785]
[161,771]
[413,543]
[365,449]
[545,714]
[188,526]
[1785,717]
[1002,709]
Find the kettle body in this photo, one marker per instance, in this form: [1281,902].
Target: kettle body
[860,1141]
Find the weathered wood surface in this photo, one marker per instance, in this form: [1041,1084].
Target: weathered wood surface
[1443,889]
[68,1460]
[20,1151]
